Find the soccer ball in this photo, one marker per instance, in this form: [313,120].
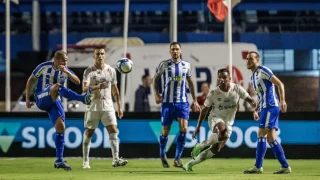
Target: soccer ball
[124,65]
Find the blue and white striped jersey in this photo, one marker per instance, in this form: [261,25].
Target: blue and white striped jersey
[260,81]
[174,80]
[47,75]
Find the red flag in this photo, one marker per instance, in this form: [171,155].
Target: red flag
[219,8]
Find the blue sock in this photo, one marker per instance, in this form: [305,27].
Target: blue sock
[59,141]
[279,153]
[163,144]
[181,141]
[261,151]
[69,94]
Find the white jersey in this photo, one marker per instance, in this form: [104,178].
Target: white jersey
[101,99]
[225,104]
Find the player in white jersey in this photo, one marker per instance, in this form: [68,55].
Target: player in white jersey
[175,73]
[102,79]
[224,99]
[263,81]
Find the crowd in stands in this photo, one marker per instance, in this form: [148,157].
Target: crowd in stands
[188,21]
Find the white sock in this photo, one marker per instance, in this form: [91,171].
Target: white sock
[204,155]
[114,143]
[212,139]
[86,147]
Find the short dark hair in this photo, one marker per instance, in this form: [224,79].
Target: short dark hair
[256,53]
[175,43]
[98,48]
[144,77]
[224,70]
[59,54]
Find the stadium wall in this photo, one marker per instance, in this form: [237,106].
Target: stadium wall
[31,135]
[297,41]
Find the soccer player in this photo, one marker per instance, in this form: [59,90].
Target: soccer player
[175,105]
[224,99]
[50,78]
[102,79]
[267,113]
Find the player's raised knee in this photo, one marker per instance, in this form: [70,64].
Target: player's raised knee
[89,132]
[55,87]
[223,135]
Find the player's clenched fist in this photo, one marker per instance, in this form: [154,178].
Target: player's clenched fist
[29,104]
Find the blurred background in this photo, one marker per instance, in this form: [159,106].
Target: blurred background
[286,33]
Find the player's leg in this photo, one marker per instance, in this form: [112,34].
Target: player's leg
[219,133]
[57,116]
[58,89]
[219,136]
[265,117]
[166,118]
[275,145]
[91,121]
[181,112]
[109,120]
[205,154]
[181,141]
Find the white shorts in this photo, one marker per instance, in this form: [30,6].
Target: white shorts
[212,121]
[92,119]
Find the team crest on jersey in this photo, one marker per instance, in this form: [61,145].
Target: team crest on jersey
[108,70]
[220,107]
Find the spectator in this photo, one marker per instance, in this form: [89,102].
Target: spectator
[141,103]
[205,87]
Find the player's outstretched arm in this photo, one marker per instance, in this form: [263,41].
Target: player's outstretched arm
[193,94]
[279,84]
[70,74]
[116,96]
[157,96]
[251,101]
[30,83]
[202,116]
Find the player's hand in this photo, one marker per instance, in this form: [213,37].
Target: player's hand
[102,85]
[196,132]
[253,104]
[283,106]
[63,69]
[120,113]
[196,107]
[158,98]
[29,104]
[256,116]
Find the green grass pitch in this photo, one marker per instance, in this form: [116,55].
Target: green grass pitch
[151,169]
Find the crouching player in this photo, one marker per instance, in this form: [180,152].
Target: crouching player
[224,99]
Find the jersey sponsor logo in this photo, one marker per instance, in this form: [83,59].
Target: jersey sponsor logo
[258,90]
[226,107]
[176,78]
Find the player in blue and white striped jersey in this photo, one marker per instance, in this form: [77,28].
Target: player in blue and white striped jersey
[263,80]
[175,73]
[50,78]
